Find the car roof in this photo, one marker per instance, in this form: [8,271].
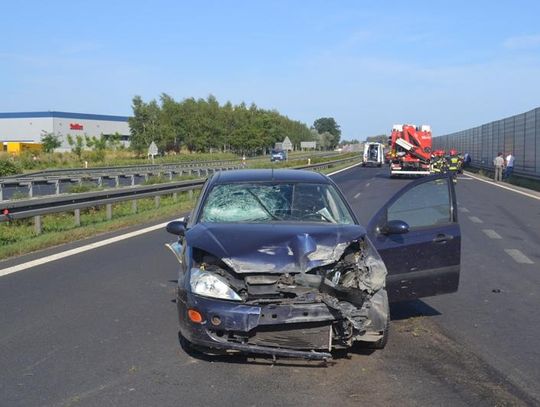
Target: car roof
[268,175]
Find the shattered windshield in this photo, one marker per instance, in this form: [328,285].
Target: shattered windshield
[268,202]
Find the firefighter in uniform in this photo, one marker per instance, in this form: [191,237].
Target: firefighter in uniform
[461,160]
[438,163]
[453,164]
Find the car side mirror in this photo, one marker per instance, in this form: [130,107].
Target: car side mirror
[176,227]
[395,227]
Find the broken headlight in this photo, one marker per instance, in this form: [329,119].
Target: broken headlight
[211,285]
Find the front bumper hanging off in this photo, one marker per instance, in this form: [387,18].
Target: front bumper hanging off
[222,319]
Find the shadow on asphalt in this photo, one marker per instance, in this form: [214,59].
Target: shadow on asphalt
[409,309]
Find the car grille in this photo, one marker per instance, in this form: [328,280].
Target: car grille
[295,336]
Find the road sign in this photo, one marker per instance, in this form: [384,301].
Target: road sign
[152,151]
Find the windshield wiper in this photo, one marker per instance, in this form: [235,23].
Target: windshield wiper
[326,215]
[274,217]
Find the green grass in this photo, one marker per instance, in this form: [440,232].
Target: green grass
[157,179]
[49,161]
[18,237]
[83,187]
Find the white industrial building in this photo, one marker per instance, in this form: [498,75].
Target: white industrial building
[31,126]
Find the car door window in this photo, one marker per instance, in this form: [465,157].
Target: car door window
[425,205]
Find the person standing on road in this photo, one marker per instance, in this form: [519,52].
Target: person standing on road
[509,165]
[453,164]
[498,162]
[467,160]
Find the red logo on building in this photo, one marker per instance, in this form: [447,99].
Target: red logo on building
[75,126]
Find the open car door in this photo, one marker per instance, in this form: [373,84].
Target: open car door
[418,237]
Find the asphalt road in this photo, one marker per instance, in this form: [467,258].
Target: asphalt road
[99,328]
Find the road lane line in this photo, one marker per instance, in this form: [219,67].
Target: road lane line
[518,256]
[491,234]
[504,187]
[475,219]
[463,209]
[357,195]
[77,250]
[367,185]
[91,246]
[343,169]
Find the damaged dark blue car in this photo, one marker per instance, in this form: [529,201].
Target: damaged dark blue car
[276,263]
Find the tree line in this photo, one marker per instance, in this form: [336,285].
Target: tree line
[203,125]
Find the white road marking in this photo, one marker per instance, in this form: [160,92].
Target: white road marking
[77,250]
[491,234]
[91,246]
[368,184]
[474,219]
[343,169]
[498,184]
[357,195]
[463,209]
[518,256]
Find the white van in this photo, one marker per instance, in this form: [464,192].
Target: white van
[373,154]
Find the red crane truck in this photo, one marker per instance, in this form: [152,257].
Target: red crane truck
[410,150]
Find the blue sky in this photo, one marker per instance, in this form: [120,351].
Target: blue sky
[369,64]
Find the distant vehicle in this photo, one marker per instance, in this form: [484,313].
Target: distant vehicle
[278,155]
[275,262]
[373,154]
[410,150]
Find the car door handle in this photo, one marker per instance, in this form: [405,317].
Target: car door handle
[442,238]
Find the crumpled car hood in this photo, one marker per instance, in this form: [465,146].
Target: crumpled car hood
[274,248]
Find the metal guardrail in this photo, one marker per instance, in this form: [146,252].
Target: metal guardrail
[38,207]
[141,168]
[128,169]
[55,182]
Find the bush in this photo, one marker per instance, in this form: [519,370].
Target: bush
[50,141]
[28,160]
[8,167]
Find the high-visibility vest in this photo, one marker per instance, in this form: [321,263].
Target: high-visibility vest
[438,165]
[454,162]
